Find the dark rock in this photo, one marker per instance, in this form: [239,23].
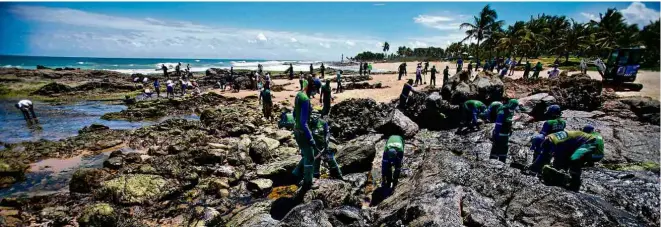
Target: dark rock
[354,117]
[56,215]
[137,189]
[309,214]
[347,216]
[486,87]
[260,187]
[646,108]
[100,214]
[262,149]
[255,215]
[84,180]
[357,155]
[52,89]
[114,163]
[333,193]
[42,67]
[93,128]
[11,172]
[398,124]
[536,105]
[577,92]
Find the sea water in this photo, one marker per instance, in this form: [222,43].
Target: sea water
[150,65]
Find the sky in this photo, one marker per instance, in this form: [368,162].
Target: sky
[275,31]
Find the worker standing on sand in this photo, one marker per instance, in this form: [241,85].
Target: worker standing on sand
[460,64]
[538,68]
[446,75]
[369,69]
[492,111]
[418,75]
[27,109]
[402,70]
[169,90]
[266,101]
[360,68]
[311,70]
[157,87]
[424,71]
[322,69]
[503,72]
[432,80]
[555,124]
[512,66]
[526,70]
[325,98]
[406,91]
[321,134]
[339,88]
[470,68]
[165,71]
[501,132]
[393,155]
[584,66]
[260,69]
[470,112]
[177,70]
[304,139]
[553,73]
[570,150]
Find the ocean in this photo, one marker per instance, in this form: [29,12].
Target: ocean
[149,65]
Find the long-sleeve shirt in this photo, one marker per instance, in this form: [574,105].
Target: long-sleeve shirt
[302,111]
[475,107]
[553,126]
[503,123]
[406,90]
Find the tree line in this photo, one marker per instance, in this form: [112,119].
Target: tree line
[541,35]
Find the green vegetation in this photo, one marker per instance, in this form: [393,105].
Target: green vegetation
[644,166]
[557,37]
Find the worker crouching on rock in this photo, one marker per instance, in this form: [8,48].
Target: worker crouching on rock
[470,111]
[393,155]
[406,91]
[555,124]
[321,134]
[570,150]
[27,109]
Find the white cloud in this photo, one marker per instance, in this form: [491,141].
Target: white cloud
[438,22]
[638,13]
[418,44]
[350,43]
[72,32]
[590,16]
[261,37]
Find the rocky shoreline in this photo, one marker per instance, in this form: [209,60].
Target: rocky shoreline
[233,168]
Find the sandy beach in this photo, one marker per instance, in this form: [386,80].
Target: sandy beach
[649,79]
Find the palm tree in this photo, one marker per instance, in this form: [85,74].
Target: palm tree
[386,47]
[482,27]
[574,39]
[511,40]
[609,29]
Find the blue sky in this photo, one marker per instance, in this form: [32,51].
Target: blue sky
[306,31]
